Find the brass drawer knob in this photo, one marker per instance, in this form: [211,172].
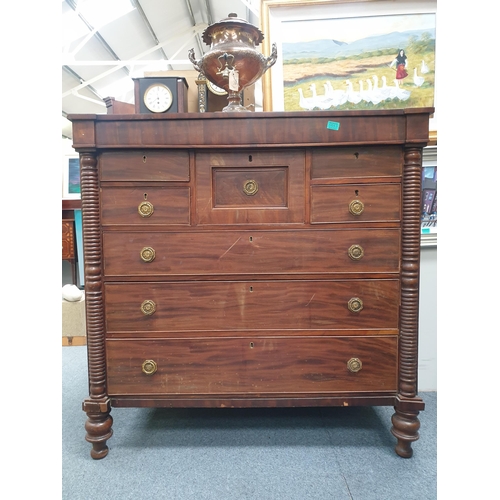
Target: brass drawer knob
[354,365]
[148,307]
[355,305]
[356,207]
[145,209]
[148,254]
[355,252]
[250,187]
[149,367]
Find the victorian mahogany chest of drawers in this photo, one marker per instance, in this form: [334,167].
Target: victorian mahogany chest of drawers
[252,260]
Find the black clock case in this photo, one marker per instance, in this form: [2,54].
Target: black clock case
[177,85]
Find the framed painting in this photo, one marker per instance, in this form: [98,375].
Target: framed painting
[341,54]
[71,178]
[429,214]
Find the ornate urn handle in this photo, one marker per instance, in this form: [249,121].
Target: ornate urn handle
[272,58]
[194,62]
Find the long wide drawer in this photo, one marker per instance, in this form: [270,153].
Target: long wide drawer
[283,252]
[251,306]
[251,365]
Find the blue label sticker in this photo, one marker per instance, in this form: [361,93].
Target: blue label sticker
[426,230]
[333,125]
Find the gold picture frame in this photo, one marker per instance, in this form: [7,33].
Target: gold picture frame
[275,14]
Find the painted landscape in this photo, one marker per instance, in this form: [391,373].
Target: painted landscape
[334,74]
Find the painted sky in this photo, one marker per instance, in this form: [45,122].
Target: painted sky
[351,29]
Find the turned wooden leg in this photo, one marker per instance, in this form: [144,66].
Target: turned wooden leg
[98,427]
[405,425]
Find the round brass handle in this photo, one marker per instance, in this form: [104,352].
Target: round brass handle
[149,367]
[355,305]
[354,365]
[250,187]
[148,254]
[356,207]
[148,307]
[355,252]
[145,209]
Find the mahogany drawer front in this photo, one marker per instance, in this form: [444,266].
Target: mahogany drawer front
[250,187]
[147,205]
[351,162]
[68,240]
[356,203]
[251,365]
[144,165]
[280,252]
[209,306]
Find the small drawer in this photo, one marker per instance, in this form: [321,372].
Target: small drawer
[250,187]
[285,252]
[252,365]
[363,161]
[147,205]
[144,165]
[266,306]
[356,203]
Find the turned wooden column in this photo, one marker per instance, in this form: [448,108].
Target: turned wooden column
[97,406]
[405,422]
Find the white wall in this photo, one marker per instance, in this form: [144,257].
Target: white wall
[427,349]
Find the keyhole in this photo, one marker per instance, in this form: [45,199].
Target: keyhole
[250,158]
[356,155]
[250,239]
[144,159]
[145,196]
[251,288]
[251,345]
[356,192]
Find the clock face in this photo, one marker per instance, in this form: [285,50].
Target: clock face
[158,98]
[215,89]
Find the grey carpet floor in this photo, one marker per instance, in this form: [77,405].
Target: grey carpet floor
[240,454]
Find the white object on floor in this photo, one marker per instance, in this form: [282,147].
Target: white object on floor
[72,293]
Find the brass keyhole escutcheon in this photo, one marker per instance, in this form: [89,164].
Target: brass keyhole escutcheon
[354,365]
[145,209]
[355,305]
[148,307]
[355,252]
[148,254]
[356,207]
[250,187]
[149,367]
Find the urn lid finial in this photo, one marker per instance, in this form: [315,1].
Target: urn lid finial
[232,21]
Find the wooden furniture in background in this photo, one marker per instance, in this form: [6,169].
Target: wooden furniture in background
[252,260]
[69,242]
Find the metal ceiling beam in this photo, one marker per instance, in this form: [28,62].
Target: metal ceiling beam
[101,40]
[193,21]
[141,12]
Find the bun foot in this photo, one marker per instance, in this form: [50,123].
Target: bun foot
[98,427]
[405,427]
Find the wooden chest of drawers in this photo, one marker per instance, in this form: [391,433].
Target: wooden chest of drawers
[245,260]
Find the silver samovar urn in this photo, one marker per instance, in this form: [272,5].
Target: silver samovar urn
[233,61]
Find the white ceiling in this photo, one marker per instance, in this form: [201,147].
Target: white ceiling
[153,35]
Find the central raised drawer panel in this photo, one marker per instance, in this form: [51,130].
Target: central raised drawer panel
[241,187]
[252,365]
[357,161]
[251,305]
[169,205]
[251,252]
[144,165]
